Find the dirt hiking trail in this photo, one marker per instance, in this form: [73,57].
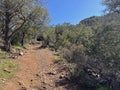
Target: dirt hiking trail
[38,72]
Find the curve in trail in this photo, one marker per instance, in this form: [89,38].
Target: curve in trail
[30,65]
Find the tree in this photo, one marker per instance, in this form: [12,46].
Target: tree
[14,14]
[31,30]
[112,5]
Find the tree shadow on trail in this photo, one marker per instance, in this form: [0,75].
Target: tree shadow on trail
[71,85]
[66,84]
[40,47]
[65,80]
[68,81]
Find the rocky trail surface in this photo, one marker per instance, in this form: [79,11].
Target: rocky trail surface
[38,71]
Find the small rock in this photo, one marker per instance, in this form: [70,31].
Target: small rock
[21,53]
[44,82]
[20,83]
[43,88]
[6,70]
[51,73]
[14,57]
[61,76]
[24,88]
[32,89]
[37,75]
[13,50]
[2,80]
[31,80]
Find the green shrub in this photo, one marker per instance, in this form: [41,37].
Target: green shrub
[103,88]
[9,64]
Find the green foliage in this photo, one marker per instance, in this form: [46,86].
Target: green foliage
[112,5]
[19,47]
[103,88]
[17,17]
[107,44]
[88,46]
[65,35]
[25,35]
[6,63]
[94,44]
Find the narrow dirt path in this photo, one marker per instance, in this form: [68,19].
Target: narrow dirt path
[38,72]
[29,66]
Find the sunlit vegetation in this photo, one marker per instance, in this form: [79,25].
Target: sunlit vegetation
[8,66]
[92,47]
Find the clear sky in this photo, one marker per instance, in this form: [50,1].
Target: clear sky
[73,10]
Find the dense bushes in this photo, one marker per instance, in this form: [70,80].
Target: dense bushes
[94,52]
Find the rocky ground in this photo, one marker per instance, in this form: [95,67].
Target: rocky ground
[39,71]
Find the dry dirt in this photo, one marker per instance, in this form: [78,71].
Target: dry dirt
[38,71]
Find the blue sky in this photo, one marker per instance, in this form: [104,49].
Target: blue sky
[73,10]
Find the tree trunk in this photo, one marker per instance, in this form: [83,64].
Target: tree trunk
[23,39]
[7,40]
[7,45]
